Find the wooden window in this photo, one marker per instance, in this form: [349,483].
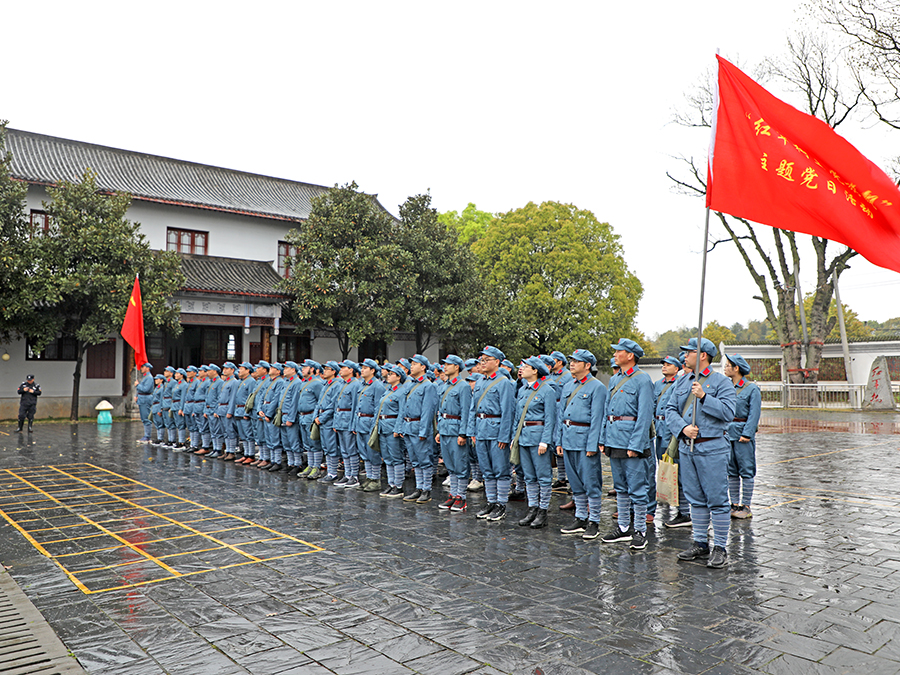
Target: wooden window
[187,241]
[40,222]
[60,349]
[294,348]
[101,361]
[372,349]
[286,252]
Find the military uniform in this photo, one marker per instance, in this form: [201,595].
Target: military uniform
[325,416]
[190,396]
[536,406]
[238,410]
[168,419]
[490,423]
[629,414]
[703,464]
[580,422]
[214,436]
[251,410]
[144,392]
[271,453]
[559,379]
[224,414]
[662,390]
[416,422]
[179,393]
[290,429]
[742,462]
[453,407]
[200,439]
[367,402]
[388,423]
[307,401]
[156,408]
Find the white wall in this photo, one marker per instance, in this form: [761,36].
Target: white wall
[230,235]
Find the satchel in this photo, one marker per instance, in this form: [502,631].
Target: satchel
[667,481]
[374,442]
[514,445]
[277,419]
[314,432]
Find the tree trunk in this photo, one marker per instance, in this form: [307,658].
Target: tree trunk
[344,343]
[76,381]
[423,338]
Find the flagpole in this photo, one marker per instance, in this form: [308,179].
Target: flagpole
[700,318]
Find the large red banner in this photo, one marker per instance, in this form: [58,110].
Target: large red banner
[133,326]
[772,164]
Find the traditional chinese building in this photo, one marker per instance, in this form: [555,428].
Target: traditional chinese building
[229,227]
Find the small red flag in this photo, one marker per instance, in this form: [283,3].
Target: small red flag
[772,164]
[133,326]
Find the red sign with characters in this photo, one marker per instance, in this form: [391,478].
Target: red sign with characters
[772,164]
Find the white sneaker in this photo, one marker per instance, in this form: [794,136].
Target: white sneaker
[475,485]
[446,482]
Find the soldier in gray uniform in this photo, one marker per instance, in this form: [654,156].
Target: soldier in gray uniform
[703,450]
[452,419]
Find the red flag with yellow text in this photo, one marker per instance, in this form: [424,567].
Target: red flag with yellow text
[133,326]
[772,164]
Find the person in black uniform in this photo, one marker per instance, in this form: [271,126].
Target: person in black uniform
[29,390]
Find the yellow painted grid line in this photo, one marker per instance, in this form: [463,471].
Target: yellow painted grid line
[137,543]
[99,472]
[152,512]
[124,541]
[207,508]
[131,529]
[168,556]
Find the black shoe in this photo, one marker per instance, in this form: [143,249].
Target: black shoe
[486,511]
[540,519]
[29,428]
[293,471]
[617,534]
[424,498]
[19,430]
[213,455]
[529,517]
[517,496]
[395,493]
[274,468]
[639,541]
[697,550]
[413,496]
[592,531]
[718,558]
[577,526]
[499,513]
[680,520]
[560,486]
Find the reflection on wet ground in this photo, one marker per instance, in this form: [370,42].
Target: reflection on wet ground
[812,585]
[107,532]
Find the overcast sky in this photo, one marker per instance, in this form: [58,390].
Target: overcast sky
[494,103]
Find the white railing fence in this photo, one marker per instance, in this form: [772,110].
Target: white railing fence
[836,395]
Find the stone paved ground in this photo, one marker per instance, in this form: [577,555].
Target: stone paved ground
[812,585]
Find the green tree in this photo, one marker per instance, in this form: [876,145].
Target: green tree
[83,271]
[564,276]
[13,241]
[349,277]
[444,296]
[669,343]
[470,225]
[718,334]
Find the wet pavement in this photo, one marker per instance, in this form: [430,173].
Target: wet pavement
[219,569]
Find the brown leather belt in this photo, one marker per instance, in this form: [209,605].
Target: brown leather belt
[616,418]
[484,416]
[450,417]
[387,417]
[739,419]
[533,423]
[307,412]
[708,438]
[411,419]
[345,409]
[364,415]
[570,423]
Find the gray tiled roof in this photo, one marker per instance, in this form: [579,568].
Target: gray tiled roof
[46,160]
[229,276]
